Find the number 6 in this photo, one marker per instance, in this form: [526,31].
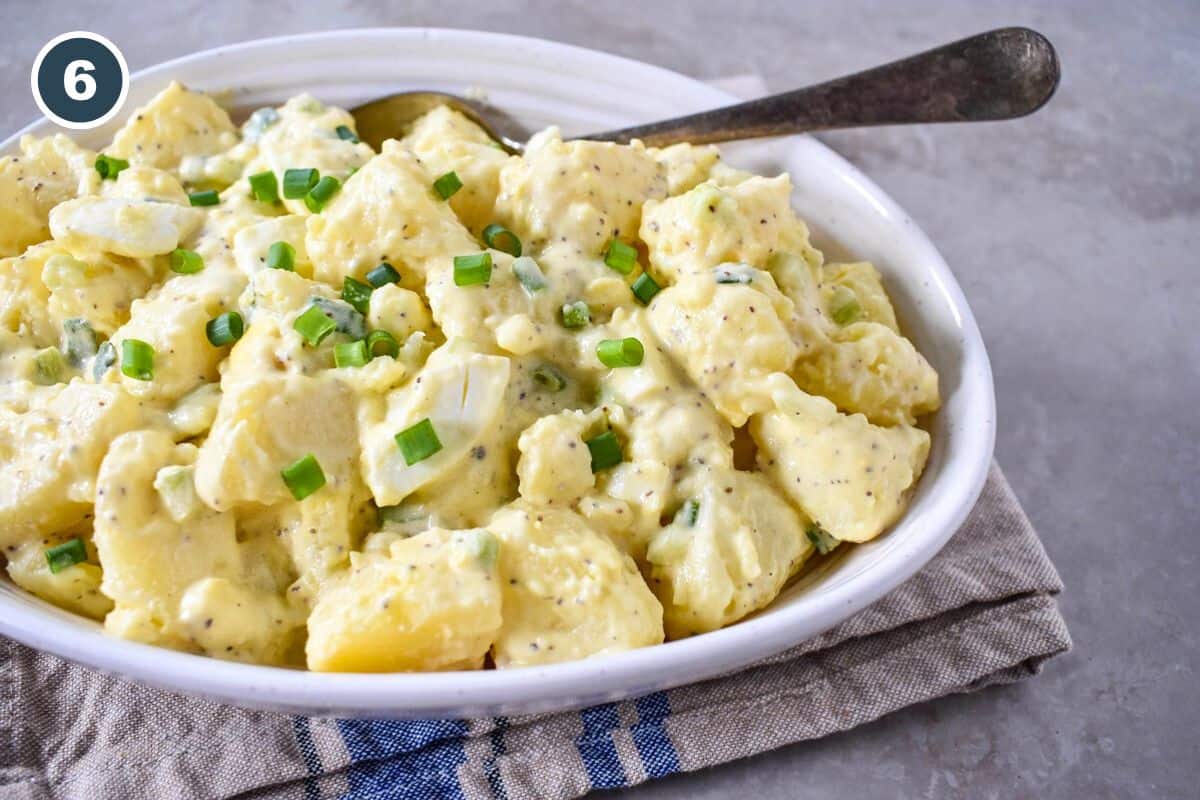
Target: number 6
[75,75]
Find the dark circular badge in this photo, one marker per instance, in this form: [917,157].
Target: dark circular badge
[80,80]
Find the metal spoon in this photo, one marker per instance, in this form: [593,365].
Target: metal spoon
[1001,74]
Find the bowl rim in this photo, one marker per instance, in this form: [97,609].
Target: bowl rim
[556,686]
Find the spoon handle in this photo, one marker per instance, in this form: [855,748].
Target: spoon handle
[1000,74]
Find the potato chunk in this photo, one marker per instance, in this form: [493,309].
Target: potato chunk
[387,211]
[867,368]
[47,172]
[579,191]
[177,122]
[850,476]
[433,603]
[76,588]
[50,453]
[569,593]
[728,552]
[728,329]
[555,466]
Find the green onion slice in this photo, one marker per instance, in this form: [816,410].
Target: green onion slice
[137,360]
[644,288]
[473,269]
[298,182]
[67,554]
[208,197]
[382,275]
[620,256]
[313,325]
[820,538]
[281,255]
[264,187]
[529,274]
[498,237]
[627,352]
[110,167]
[845,306]
[739,273]
[357,294]
[605,450]
[322,193]
[418,442]
[576,315]
[186,262]
[382,343]
[49,366]
[225,329]
[346,318]
[549,378]
[303,477]
[79,340]
[447,185]
[351,354]
[345,134]
[106,356]
[688,513]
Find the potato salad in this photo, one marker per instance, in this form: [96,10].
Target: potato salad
[269,395]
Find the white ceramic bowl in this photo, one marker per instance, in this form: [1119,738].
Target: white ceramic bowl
[543,83]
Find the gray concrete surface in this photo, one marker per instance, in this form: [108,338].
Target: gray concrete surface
[1075,235]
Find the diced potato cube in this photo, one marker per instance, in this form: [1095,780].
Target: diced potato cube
[555,466]
[76,588]
[729,556]
[433,603]
[870,369]
[177,122]
[569,593]
[850,476]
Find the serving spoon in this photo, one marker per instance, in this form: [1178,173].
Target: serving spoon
[1001,74]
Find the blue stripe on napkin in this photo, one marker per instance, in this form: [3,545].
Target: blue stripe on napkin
[409,759]
[650,735]
[597,748]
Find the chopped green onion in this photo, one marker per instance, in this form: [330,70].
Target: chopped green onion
[357,294]
[346,319]
[418,442]
[473,269]
[820,538]
[576,315]
[49,366]
[281,255]
[688,513]
[186,262]
[605,450]
[225,328]
[322,193]
[106,356]
[529,274]
[846,308]
[314,325]
[344,133]
[627,352]
[303,477]
[79,340]
[137,360]
[298,182]
[110,167]
[489,549]
[498,237]
[264,187]
[382,343]
[733,275]
[67,554]
[351,354]
[208,197]
[644,288]
[447,185]
[382,275]
[620,256]
[549,378]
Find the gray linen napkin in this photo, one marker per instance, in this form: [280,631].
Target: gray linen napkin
[982,612]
